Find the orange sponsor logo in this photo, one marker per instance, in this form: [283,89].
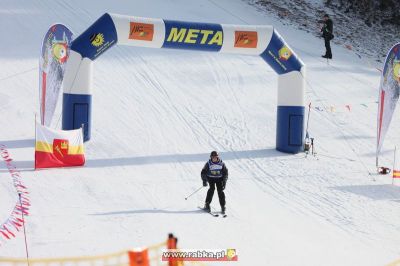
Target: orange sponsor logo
[246,39]
[141,31]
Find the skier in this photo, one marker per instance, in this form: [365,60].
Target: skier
[216,174]
[327,34]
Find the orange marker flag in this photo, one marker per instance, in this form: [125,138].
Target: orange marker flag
[139,257]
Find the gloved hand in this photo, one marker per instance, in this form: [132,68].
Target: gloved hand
[204,183]
[224,184]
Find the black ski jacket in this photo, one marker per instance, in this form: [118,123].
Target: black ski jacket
[217,174]
[327,30]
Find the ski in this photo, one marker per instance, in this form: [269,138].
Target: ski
[209,212]
[223,214]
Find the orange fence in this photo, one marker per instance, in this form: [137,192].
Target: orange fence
[148,256]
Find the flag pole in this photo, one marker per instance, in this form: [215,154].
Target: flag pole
[83,131]
[34,166]
[377,147]
[23,223]
[394,163]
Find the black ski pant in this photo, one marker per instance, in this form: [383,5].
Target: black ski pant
[210,193]
[328,52]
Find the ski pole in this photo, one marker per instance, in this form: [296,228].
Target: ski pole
[197,190]
[312,146]
[308,117]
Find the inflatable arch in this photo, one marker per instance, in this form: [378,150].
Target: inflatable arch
[264,41]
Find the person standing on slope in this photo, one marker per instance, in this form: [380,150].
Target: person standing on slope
[327,34]
[216,174]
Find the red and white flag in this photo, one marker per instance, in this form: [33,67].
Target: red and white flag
[58,148]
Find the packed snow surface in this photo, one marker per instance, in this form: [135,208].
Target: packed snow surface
[158,113]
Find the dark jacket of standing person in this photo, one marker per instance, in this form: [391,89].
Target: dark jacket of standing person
[327,29]
[327,34]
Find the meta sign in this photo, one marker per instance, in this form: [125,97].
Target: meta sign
[193,36]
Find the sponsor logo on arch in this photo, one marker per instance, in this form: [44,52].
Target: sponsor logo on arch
[196,36]
[141,31]
[100,42]
[97,39]
[285,53]
[246,39]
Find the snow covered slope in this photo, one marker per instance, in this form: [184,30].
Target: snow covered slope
[156,116]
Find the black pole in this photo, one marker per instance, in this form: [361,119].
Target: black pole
[194,192]
[312,146]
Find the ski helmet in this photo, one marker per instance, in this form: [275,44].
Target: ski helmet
[214,153]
